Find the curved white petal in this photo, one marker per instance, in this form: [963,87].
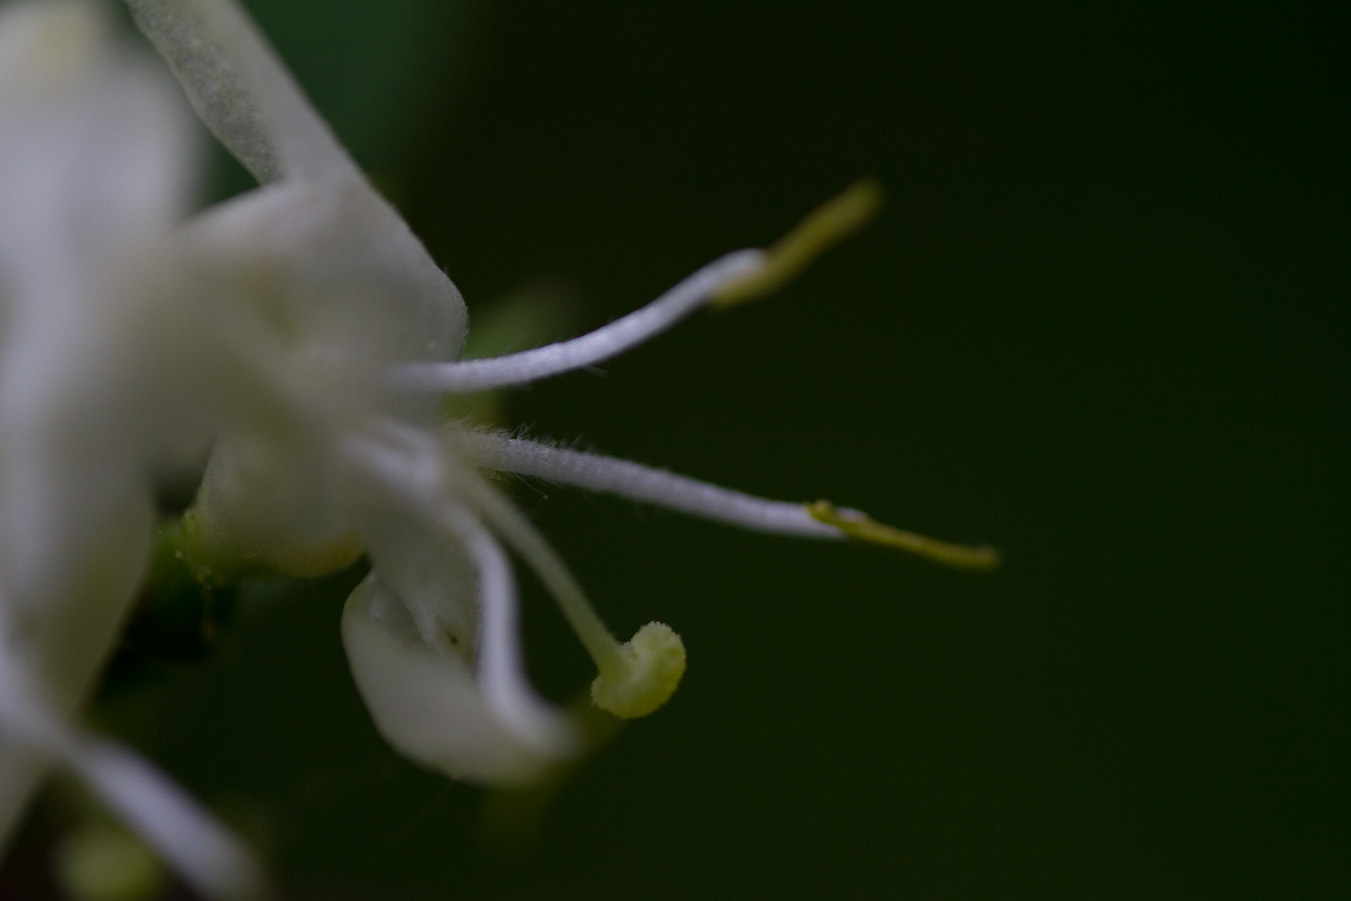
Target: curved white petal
[431,635]
[240,89]
[428,704]
[500,670]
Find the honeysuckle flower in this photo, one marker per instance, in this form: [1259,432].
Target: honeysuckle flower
[306,332]
[355,334]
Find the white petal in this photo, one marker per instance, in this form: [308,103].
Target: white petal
[318,287]
[501,672]
[95,155]
[332,266]
[428,704]
[425,573]
[240,89]
[94,145]
[432,635]
[70,562]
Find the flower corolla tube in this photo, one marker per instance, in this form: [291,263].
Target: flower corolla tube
[303,335]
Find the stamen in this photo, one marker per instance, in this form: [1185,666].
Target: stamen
[829,224]
[733,279]
[860,527]
[636,677]
[595,472]
[594,347]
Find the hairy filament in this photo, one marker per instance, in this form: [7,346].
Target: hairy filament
[609,475]
[594,347]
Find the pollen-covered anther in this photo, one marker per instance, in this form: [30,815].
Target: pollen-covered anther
[826,226]
[642,675]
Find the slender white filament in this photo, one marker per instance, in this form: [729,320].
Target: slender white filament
[644,483]
[595,347]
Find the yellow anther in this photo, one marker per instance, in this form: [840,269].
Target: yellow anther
[829,224]
[860,527]
[642,675]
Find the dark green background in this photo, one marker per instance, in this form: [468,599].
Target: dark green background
[1101,324]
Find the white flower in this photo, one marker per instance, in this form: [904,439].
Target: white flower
[305,330]
[335,448]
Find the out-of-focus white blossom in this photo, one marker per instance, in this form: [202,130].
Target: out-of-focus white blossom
[95,159]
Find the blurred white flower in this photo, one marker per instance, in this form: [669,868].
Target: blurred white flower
[95,158]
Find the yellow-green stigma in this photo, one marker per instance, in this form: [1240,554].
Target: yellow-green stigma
[643,673]
[860,527]
[829,224]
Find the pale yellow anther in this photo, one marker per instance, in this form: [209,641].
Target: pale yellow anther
[860,527]
[829,224]
[642,675]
